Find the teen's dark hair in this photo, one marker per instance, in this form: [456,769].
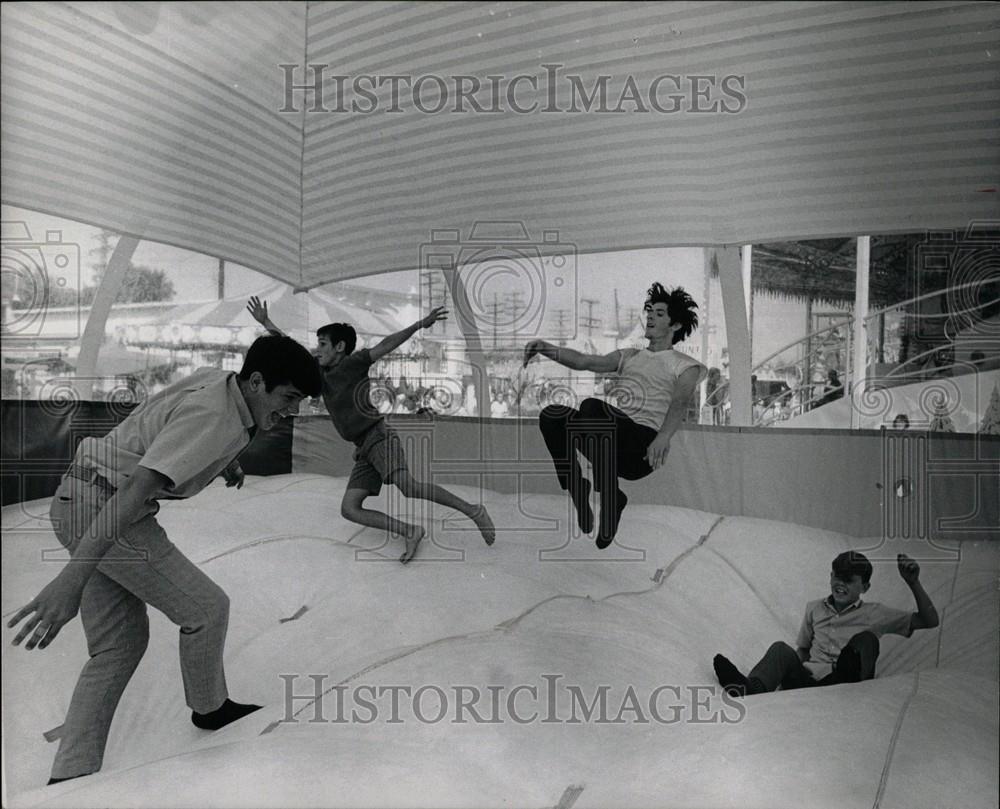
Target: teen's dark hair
[680,308]
[282,361]
[335,332]
[852,563]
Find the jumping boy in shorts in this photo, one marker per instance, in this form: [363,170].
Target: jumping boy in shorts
[838,640]
[379,457]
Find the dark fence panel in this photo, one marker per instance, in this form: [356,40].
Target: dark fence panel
[40,438]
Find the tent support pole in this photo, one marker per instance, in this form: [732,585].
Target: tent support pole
[860,369]
[473,340]
[746,265]
[93,332]
[734,305]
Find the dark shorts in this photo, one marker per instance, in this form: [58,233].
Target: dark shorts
[379,456]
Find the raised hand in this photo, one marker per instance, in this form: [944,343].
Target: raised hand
[532,348]
[909,570]
[436,314]
[258,310]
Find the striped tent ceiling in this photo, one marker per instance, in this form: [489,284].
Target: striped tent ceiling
[173,122]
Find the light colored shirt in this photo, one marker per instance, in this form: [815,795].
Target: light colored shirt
[647,380]
[190,431]
[824,631]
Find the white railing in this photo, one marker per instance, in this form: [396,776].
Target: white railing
[911,325]
[813,352]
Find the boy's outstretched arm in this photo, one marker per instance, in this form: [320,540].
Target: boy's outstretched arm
[258,311]
[577,360]
[394,341]
[926,616]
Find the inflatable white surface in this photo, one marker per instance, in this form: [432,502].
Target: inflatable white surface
[466,678]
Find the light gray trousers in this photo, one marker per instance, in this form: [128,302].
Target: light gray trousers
[142,567]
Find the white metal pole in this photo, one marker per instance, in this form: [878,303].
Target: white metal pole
[93,332]
[746,258]
[737,333]
[860,369]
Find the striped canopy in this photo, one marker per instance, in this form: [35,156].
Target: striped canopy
[721,123]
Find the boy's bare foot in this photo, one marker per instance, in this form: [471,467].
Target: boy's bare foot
[485,525]
[412,537]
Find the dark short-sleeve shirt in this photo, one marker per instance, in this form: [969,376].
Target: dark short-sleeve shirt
[347,394]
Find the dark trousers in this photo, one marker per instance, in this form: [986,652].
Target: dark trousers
[613,443]
[780,665]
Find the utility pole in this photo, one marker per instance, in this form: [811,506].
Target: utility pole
[433,290]
[495,317]
[222,278]
[561,316]
[588,321]
[513,306]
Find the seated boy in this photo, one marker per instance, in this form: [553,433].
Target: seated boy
[838,640]
[379,457]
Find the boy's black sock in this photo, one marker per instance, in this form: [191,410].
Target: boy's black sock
[611,515]
[729,676]
[579,492]
[220,717]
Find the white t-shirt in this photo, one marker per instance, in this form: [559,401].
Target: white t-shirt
[646,383]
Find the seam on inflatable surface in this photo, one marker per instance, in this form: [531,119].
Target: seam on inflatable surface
[569,796]
[944,610]
[285,538]
[378,664]
[485,633]
[510,623]
[780,620]
[893,739]
[666,571]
